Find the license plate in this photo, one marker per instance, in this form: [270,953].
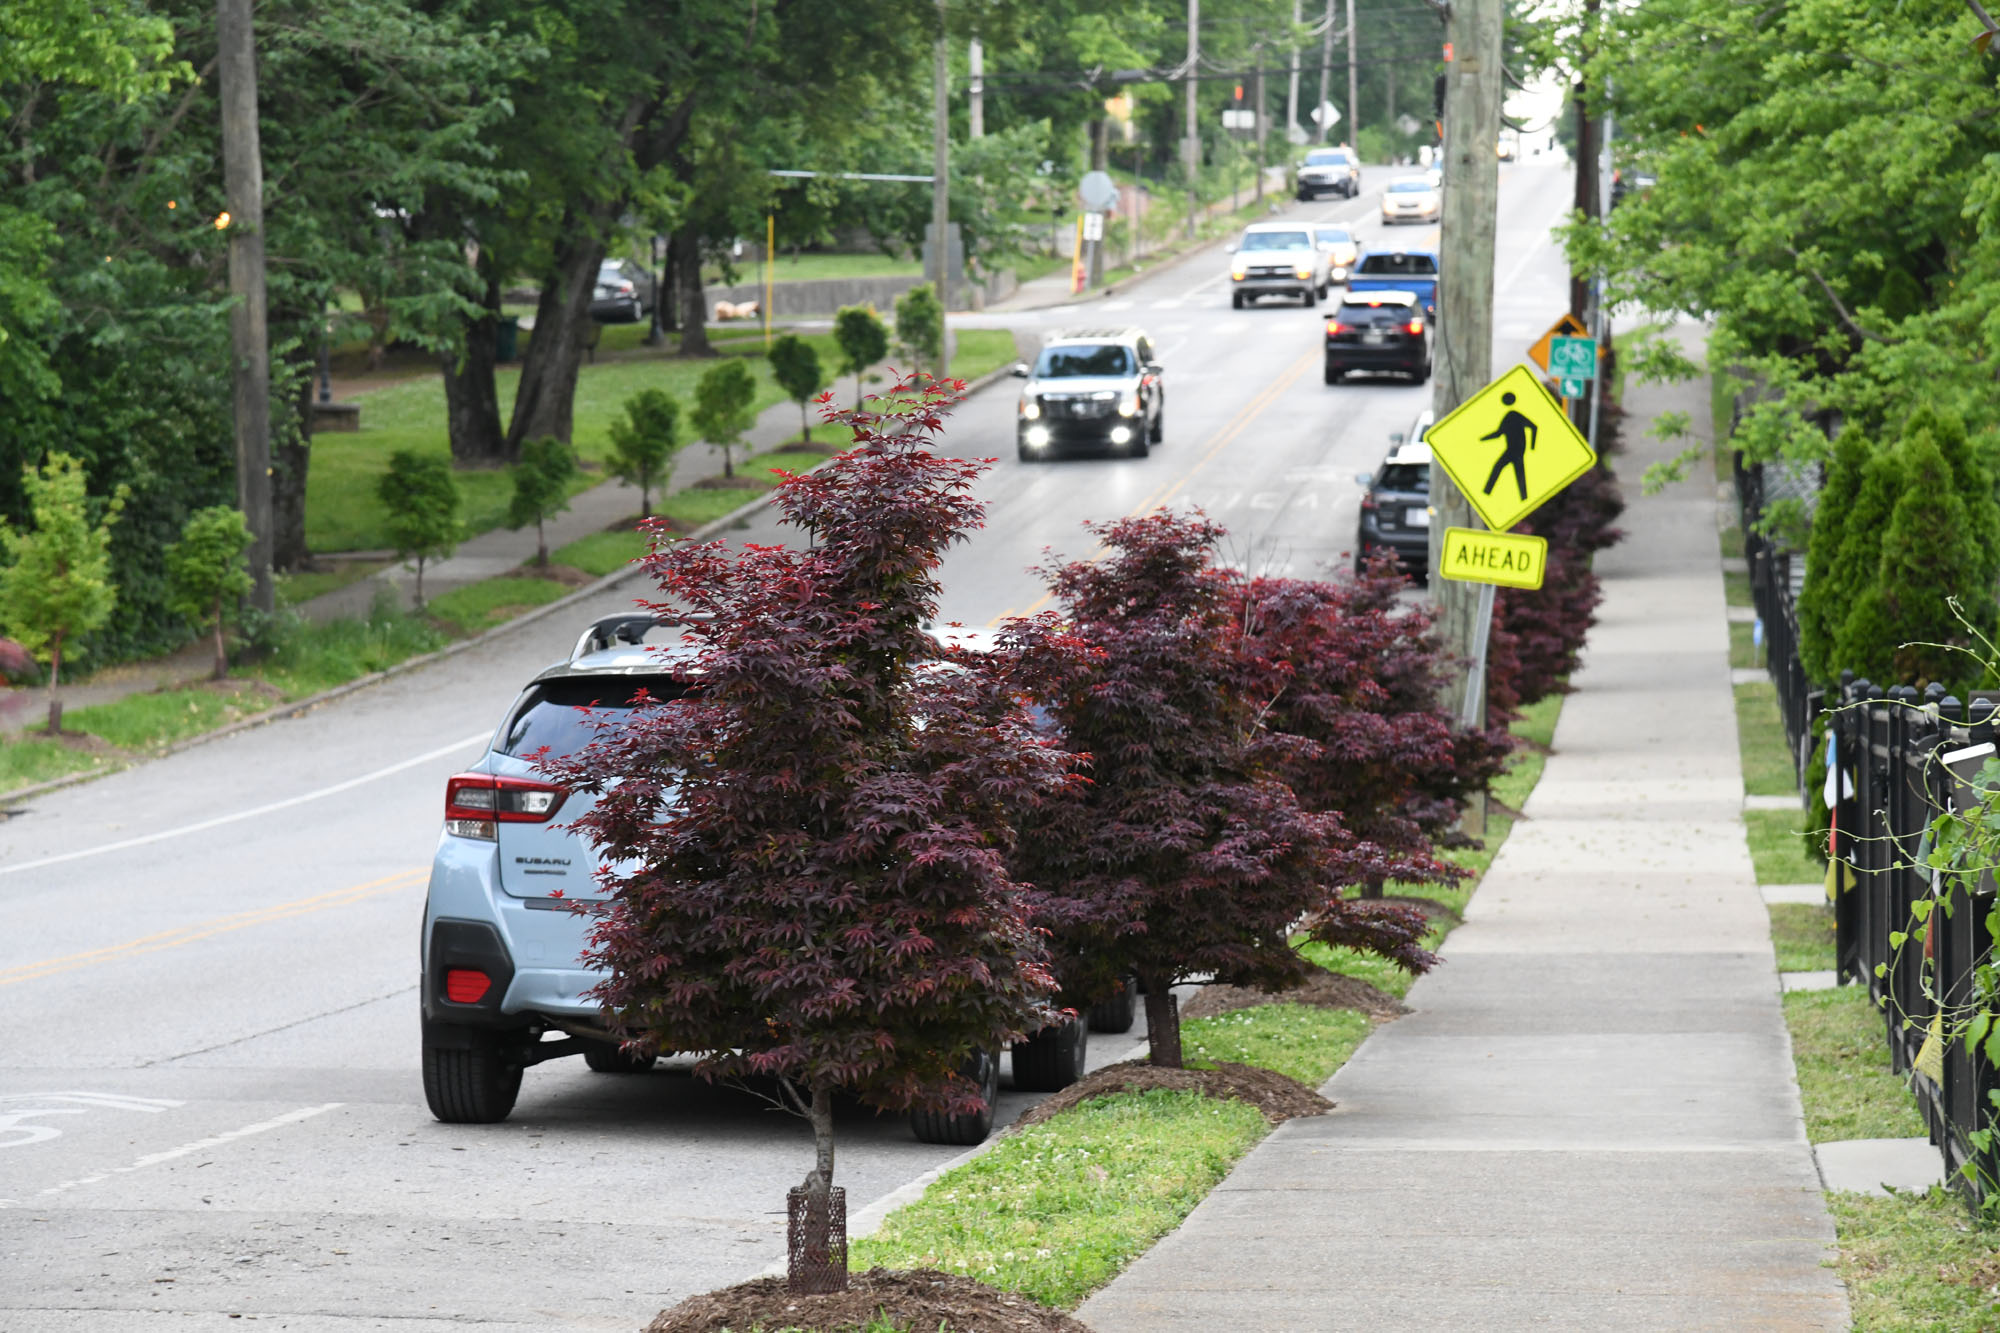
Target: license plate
[1374,337]
[1416,518]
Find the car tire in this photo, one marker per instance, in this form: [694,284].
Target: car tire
[1118,1013]
[1312,298]
[1053,1058]
[1423,373]
[1139,447]
[1333,375]
[474,1086]
[967,1128]
[606,1057]
[1236,300]
[1159,429]
[1021,452]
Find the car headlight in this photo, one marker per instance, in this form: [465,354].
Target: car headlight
[1030,409]
[1302,270]
[1238,267]
[1037,436]
[1128,403]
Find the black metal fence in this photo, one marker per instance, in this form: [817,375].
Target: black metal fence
[1902,758]
[1777,574]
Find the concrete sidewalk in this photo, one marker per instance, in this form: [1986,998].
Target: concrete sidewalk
[1591,1120]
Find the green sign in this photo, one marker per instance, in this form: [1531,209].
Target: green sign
[1573,358]
[1573,388]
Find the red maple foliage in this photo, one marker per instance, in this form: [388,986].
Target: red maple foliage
[1186,855]
[809,852]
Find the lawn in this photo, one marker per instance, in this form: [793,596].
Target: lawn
[812,268]
[1057,1210]
[1802,934]
[1760,736]
[1736,588]
[1841,1048]
[601,552]
[27,761]
[1781,849]
[480,606]
[1305,1042]
[1743,650]
[1917,1263]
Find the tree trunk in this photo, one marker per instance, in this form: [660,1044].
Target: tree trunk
[817,1249]
[1372,887]
[541,544]
[821,1178]
[55,679]
[805,424]
[669,291]
[694,301]
[221,671]
[1586,158]
[544,403]
[1163,1022]
[420,583]
[472,402]
[291,456]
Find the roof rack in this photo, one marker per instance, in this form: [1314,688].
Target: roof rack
[625,627]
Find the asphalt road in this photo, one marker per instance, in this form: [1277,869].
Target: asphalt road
[209,1097]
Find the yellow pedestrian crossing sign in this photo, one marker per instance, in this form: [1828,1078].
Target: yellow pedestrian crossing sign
[1507,558]
[1509,448]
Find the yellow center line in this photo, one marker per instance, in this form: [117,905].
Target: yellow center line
[1215,445]
[201,930]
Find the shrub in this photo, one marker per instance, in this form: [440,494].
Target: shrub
[541,489]
[795,365]
[420,502]
[207,575]
[643,443]
[863,340]
[920,326]
[722,407]
[57,586]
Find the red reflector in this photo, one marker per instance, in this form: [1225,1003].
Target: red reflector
[465,985]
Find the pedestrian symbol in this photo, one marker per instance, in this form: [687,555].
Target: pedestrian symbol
[1509,448]
[1506,558]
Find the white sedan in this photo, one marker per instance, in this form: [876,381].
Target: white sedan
[1411,199]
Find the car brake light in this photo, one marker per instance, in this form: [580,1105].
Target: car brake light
[465,985]
[1335,326]
[1414,326]
[1368,500]
[475,803]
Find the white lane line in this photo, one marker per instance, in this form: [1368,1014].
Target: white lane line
[185,1150]
[1117,305]
[1545,237]
[1173,303]
[255,812]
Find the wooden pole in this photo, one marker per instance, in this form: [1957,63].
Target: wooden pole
[249,323]
[941,193]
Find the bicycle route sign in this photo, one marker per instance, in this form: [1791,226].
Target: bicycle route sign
[1509,448]
[1573,358]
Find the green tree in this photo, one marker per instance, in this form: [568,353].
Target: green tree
[56,587]
[863,340]
[541,489]
[795,365]
[208,574]
[723,403]
[1824,600]
[644,441]
[420,497]
[920,326]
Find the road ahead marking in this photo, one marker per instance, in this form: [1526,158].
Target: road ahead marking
[428,756]
[223,925]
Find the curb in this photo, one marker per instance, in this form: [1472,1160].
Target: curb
[708,530]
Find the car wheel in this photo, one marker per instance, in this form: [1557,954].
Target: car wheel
[1236,300]
[1118,1013]
[1053,1058]
[1334,374]
[967,1128]
[1021,452]
[606,1057]
[1423,373]
[1311,298]
[1159,426]
[475,1086]
[1139,447]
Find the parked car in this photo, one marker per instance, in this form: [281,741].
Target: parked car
[1395,510]
[624,293]
[1341,250]
[1277,259]
[1397,271]
[503,986]
[1092,388]
[1412,199]
[1381,332]
[1508,148]
[1329,171]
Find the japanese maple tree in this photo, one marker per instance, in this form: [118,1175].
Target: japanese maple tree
[1186,855]
[809,851]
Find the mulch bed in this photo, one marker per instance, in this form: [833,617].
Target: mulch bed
[1327,990]
[920,1299]
[1278,1097]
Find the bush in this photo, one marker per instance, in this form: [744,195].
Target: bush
[207,574]
[795,365]
[644,441]
[420,504]
[920,326]
[863,340]
[541,488]
[723,407]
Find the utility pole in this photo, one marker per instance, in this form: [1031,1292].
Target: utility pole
[1353,98]
[1260,122]
[1192,147]
[1464,351]
[1100,160]
[1586,151]
[941,194]
[249,325]
[1326,72]
[1292,89]
[975,66]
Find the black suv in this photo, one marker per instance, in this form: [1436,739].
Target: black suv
[1379,331]
[1396,511]
[1095,388]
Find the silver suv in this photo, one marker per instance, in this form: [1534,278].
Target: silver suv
[1277,259]
[503,982]
[1094,388]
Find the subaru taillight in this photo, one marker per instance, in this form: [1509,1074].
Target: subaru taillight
[476,803]
[1414,326]
[1334,326]
[466,985]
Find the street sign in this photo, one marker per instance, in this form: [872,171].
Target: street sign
[1325,114]
[1573,358]
[1569,326]
[1509,448]
[1569,388]
[1093,226]
[1238,120]
[1098,191]
[1506,558]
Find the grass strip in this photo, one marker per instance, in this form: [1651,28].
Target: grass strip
[1781,849]
[160,718]
[1917,1262]
[981,352]
[1743,650]
[1802,933]
[601,552]
[1059,1209]
[1736,588]
[1760,738]
[1302,1041]
[482,605]
[27,761]
[1839,1044]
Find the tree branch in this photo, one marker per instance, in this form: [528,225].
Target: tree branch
[1839,308]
